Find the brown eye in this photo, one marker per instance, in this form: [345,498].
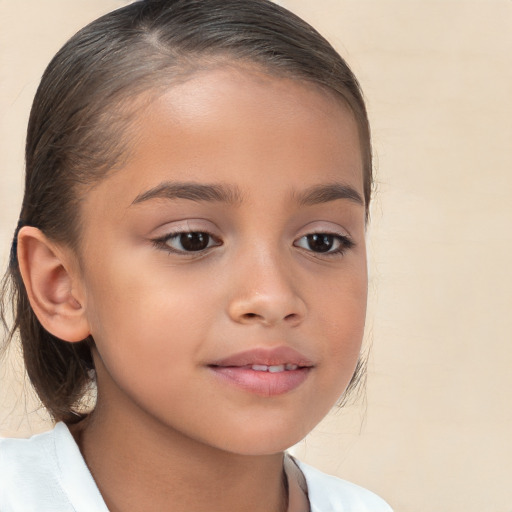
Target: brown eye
[324,243]
[320,242]
[193,241]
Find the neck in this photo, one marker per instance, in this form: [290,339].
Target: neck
[140,464]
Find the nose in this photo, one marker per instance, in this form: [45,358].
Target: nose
[266,293]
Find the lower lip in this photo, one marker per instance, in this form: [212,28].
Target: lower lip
[262,383]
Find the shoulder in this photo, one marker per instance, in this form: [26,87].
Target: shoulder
[331,494]
[17,455]
[27,468]
[42,474]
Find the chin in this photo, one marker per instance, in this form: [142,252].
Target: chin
[264,441]
[258,448]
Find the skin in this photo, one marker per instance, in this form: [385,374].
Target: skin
[166,428]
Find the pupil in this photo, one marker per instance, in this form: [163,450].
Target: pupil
[320,243]
[194,241]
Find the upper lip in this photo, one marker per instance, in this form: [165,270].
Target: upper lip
[265,356]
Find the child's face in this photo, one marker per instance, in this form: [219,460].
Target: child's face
[252,168]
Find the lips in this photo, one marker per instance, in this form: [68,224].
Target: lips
[265,357]
[275,368]
[265,372]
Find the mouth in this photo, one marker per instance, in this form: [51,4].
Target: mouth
[264,372]
[276,359]
[276,368]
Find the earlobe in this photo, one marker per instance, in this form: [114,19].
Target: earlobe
[50,282]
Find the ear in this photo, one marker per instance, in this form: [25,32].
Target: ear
[51,278]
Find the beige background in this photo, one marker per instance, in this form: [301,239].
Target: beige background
[435,432]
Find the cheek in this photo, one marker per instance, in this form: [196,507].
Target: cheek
[144,320]
[342,316]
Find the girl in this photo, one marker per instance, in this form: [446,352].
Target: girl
[192,244]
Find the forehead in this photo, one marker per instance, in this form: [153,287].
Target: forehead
[237,123]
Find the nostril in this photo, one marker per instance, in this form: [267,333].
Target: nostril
[268,311]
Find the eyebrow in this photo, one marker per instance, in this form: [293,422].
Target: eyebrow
[231,194]
[193,192]
[319,194]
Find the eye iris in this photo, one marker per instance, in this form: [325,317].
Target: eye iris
[194,241]
[320,242]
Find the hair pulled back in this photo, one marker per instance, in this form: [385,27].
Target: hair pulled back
[83,104]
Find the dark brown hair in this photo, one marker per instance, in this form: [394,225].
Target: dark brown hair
[84,105]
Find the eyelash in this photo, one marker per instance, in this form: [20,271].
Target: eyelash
[163,242]
[345,243]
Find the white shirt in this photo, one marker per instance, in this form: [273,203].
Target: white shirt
[47,473]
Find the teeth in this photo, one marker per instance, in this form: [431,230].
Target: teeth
[273,369]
